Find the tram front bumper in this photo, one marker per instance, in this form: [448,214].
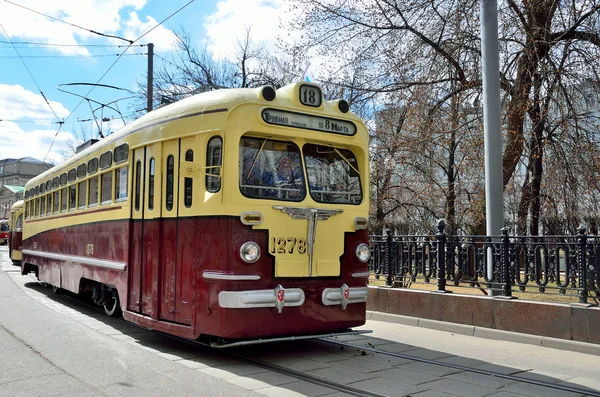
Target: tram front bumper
[279,297]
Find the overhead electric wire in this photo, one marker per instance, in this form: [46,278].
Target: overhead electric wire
[29,43]
[68,56]
[40,121]
[69,23]
[117,60]
[33,78]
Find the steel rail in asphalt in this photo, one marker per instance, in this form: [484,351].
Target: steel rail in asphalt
[587,392]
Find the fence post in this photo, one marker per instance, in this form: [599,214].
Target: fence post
[388,259]
[506,281]
[582,264]
[441,256]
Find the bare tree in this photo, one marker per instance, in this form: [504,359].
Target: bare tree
[546,47]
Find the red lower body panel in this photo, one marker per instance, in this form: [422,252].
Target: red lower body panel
[163,285]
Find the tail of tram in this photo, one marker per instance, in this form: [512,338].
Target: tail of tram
[237,214]
[15,232]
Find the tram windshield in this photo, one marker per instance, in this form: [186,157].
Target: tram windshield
[271,169]
[333,175]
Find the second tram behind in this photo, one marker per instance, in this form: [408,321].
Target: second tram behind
[15,232]
[235,214]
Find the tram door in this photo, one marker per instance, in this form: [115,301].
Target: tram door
[134,302]
[176,277]
[146,215]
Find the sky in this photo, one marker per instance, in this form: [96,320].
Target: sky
[51,52]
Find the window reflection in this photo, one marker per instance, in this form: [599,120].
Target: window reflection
[271,169]
[333,175]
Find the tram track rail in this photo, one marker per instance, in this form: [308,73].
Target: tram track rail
[335,386]
[587,392]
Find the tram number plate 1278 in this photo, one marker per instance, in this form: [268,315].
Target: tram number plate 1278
[287,245]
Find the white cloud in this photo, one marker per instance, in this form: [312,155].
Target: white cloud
[163,38]
[228,24]
[17,103]
[17,143]
[113,17]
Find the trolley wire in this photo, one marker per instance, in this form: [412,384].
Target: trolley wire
[67,57]
[31,43]
[114,63]
[69,23]
[126,49]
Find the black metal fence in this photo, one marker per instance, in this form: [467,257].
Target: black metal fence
[565,264]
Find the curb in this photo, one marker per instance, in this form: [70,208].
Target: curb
[487,333]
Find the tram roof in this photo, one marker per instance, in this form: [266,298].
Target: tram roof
[228,99]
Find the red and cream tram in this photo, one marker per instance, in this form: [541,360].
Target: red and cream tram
[15,232]
[237,214]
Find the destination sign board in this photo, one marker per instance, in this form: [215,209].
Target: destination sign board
[311,122]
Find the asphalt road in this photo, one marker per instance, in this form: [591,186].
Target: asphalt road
[51,347]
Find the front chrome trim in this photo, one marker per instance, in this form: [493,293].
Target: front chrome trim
[78,259]
[361,274]
[344,295]
[229,277]
[307,213]
[277,297]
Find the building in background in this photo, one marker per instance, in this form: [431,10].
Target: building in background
[9,194]
[16,172]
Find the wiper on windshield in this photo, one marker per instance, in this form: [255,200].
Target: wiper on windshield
[256,158]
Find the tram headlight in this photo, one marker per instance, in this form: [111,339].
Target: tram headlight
[363,252]
[250,252]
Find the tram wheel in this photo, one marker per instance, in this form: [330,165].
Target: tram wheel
[112,306]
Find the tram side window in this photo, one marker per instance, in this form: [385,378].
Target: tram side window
[138,177]
[56,201]
[71,176]
[82,194]
[43,205]
[37,207]
[105,160]
[214,161]
[81,171]
[188,182]
[19,223]
[49,208]
[93,191]
[151,185]
[63,199]
[121,153]
[121,183]
[72,197]
[170,181]
[107,187]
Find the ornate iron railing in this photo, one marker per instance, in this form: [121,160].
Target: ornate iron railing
[501,263]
